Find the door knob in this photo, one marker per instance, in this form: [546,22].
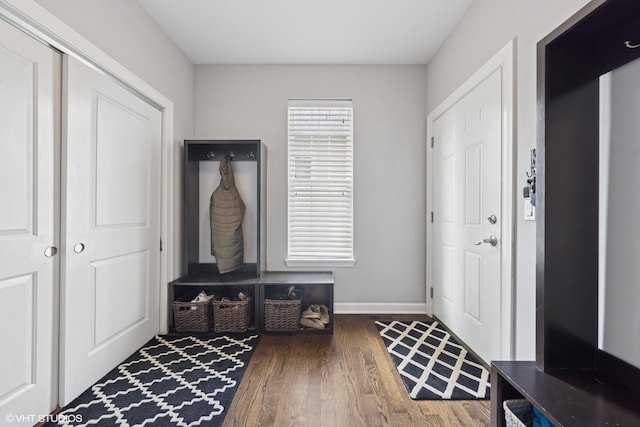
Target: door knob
[78,247]
[51,251]
[493,240]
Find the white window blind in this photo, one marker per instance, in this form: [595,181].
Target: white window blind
[320,216]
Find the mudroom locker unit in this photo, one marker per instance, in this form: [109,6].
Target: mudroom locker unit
[82,177]
[201,161]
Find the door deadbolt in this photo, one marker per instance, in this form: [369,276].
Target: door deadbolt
[492,219]
[78,247]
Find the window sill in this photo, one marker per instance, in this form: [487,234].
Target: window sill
[320,262]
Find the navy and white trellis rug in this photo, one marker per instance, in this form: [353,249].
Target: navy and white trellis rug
[432,365]
[170,381]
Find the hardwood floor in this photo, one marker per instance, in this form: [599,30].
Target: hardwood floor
[347,379]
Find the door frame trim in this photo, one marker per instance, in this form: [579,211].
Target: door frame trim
[37,22]
[503,60]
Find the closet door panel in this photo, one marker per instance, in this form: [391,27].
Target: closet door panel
[21,315]
[122,144]
[16,164]
[112,225]
[29,99]
[113,279]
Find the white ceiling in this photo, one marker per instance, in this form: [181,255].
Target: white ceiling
[306,31]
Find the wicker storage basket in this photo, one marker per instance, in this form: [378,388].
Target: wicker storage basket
[281,315]
[192,316]
[232,316]
[518,413]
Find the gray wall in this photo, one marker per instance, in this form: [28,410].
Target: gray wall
[123,30]
[487,27]
[389,160]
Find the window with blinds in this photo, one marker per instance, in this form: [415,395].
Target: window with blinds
[320,199]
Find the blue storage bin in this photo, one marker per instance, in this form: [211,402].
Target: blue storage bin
[539,420]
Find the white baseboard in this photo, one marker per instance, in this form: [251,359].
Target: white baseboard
[379,308]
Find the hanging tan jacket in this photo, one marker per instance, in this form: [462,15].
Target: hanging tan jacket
[226,211]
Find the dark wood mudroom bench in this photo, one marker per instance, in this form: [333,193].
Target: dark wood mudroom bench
[315,287]
[576,398]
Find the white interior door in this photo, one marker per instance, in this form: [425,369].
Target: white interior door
[467,242]
[111,258]
[29,100]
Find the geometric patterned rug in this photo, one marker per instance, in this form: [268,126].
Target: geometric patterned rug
[170,381]
[432,365]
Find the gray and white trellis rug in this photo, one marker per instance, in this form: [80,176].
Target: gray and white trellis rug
[432,365]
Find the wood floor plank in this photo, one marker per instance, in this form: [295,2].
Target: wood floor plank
[344,379]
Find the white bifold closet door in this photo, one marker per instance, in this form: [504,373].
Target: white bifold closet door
[29,100]
[111,225]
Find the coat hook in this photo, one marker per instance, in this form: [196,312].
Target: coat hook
[211,155]
[251,155]
[232,155]
[631,46]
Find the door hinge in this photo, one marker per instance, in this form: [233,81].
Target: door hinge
[431,292]
[432,141]
[431,217]
[160,245]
